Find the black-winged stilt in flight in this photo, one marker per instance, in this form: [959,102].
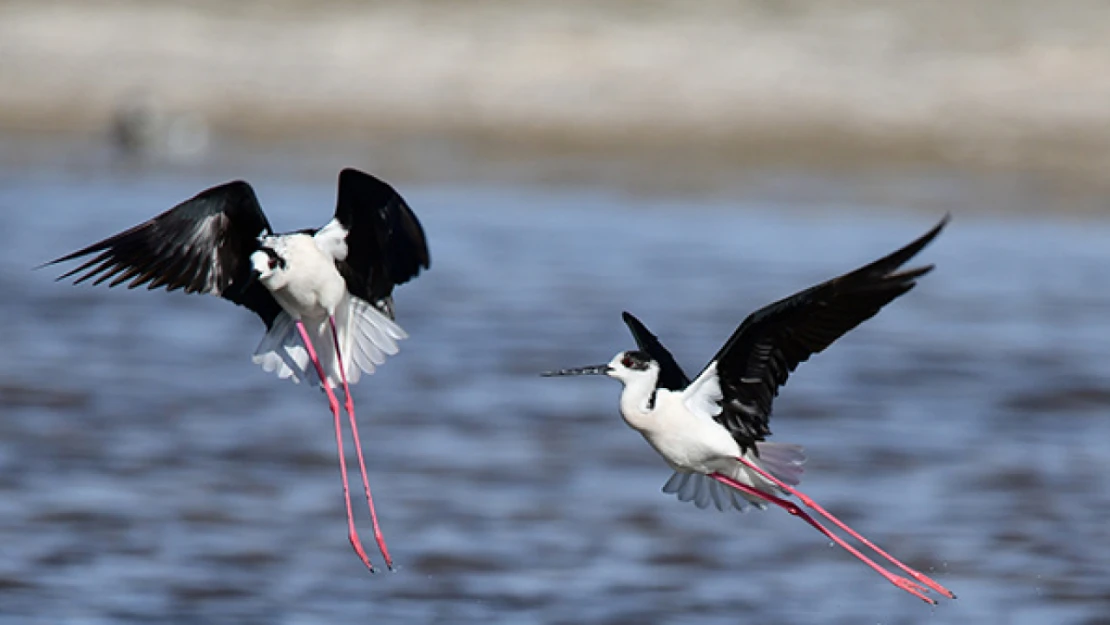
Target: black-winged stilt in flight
[338,277]
[711,431]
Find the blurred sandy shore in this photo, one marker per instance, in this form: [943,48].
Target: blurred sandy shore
[999,84]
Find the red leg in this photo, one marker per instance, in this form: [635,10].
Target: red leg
[809,503]
[901,582]
[333,403]
[358,448]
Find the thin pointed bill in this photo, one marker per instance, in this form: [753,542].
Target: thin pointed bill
[592,370]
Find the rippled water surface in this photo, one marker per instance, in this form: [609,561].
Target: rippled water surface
[150,473]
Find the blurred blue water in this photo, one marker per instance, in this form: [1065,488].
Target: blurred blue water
[150,473]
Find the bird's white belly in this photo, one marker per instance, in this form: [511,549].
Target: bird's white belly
[692,453]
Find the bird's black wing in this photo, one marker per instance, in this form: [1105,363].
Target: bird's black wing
[771,342]
[385,242]
[671,375]
[202,245]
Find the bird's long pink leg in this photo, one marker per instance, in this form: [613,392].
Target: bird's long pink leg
[333,403]
[358,448]
[810,503]
[907,585]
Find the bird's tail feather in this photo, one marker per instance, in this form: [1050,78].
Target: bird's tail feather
[781,460]
[366,338]
[282,352]
[704,490]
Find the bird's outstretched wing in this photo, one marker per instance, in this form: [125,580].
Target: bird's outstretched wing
[744,377]
[671,375]
[202,245]
[385,242]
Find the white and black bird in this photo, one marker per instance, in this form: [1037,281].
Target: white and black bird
[324,294]
[712,430]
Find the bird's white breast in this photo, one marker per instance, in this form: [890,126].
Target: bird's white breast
[687,441]
[309,286]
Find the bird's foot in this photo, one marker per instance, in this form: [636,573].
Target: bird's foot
[926,580]
[360,552]
[913,588]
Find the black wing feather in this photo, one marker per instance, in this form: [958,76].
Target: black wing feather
[671,375]
[767,347]
[385,242]
[175,250]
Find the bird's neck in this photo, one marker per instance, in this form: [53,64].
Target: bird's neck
[638,403]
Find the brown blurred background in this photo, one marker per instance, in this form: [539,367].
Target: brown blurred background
[689,89]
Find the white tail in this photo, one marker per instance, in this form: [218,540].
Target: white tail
[366,338]
[781,460]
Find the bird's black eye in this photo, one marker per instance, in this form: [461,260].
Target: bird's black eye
[627,361]
[273,262]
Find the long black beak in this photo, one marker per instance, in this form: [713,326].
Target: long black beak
[593,370]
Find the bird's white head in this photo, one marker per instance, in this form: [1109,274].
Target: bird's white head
[268,265]
[629,367]
[639,373]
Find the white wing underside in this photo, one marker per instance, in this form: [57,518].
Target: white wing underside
[702,397]
[366,338]
[781,460]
